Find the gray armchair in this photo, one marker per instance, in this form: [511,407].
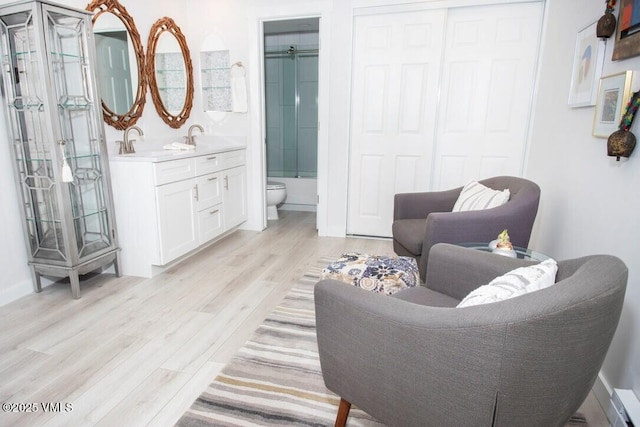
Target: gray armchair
[415,360]
[420,220]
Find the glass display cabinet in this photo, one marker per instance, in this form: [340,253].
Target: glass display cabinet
[57,140]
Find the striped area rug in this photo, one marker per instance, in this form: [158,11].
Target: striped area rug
[275,378]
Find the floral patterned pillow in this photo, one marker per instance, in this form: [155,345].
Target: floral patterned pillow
[376,273]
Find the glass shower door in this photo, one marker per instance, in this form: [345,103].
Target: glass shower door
[291,79]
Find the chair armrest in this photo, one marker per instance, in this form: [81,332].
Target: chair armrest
[477,226]
[375,350]
[419,205]
[456,271]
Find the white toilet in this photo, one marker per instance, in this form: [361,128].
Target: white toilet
[276,193]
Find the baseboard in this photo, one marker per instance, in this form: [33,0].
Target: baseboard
[603,391]
[16,292]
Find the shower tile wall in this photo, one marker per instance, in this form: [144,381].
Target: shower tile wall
[282,148]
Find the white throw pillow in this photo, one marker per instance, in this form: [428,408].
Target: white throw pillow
[514,283]
[475,196]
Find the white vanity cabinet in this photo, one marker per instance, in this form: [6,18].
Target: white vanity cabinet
[235,197]
[177,220]
[168,207]
[234,188]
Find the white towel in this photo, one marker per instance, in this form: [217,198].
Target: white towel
[238,89]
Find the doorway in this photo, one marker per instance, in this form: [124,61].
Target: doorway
[291,51]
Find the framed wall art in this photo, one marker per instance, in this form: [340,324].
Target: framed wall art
[587,67]
[614,92]
[628,31]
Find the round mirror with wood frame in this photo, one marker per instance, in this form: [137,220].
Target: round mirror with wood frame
[174,117]
[122,120]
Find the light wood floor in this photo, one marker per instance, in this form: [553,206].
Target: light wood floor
[137,352]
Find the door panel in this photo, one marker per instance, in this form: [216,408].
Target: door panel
[394,98]
[115,72]
[487,84]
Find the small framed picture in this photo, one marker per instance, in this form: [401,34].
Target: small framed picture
[587,67]
[614,92]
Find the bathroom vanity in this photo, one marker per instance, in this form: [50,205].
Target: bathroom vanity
[171,203]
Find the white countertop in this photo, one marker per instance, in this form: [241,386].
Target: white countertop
[151,151]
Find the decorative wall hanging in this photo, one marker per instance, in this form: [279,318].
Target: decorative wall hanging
[607,22]
[628,34]
[587,67]
[614,92]
[622,142]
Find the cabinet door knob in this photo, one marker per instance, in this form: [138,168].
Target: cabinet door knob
[195,192]
[214,212]
[226,182]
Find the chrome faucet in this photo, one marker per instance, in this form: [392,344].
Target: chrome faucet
[126,146]
[190,139]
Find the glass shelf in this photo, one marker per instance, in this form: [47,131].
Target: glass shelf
[90,214]
[20,54]
[44,220]
[68,157]
[68,55]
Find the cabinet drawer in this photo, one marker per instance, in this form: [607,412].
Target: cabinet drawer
[209,189]
[174,170]
[209,163]
[211,223]
[231,159]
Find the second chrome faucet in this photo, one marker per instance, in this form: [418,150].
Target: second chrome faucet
[190,138]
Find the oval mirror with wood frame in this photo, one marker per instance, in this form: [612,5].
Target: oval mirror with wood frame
[118,45]
[170,72]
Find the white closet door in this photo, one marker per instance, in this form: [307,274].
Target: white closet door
[487,90]
[402,138]
[396,65]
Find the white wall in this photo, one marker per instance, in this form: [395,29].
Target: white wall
[589,202]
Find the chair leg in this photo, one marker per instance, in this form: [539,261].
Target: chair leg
[343,413]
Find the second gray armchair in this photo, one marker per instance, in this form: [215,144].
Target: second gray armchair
[420,220]
[414,359]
